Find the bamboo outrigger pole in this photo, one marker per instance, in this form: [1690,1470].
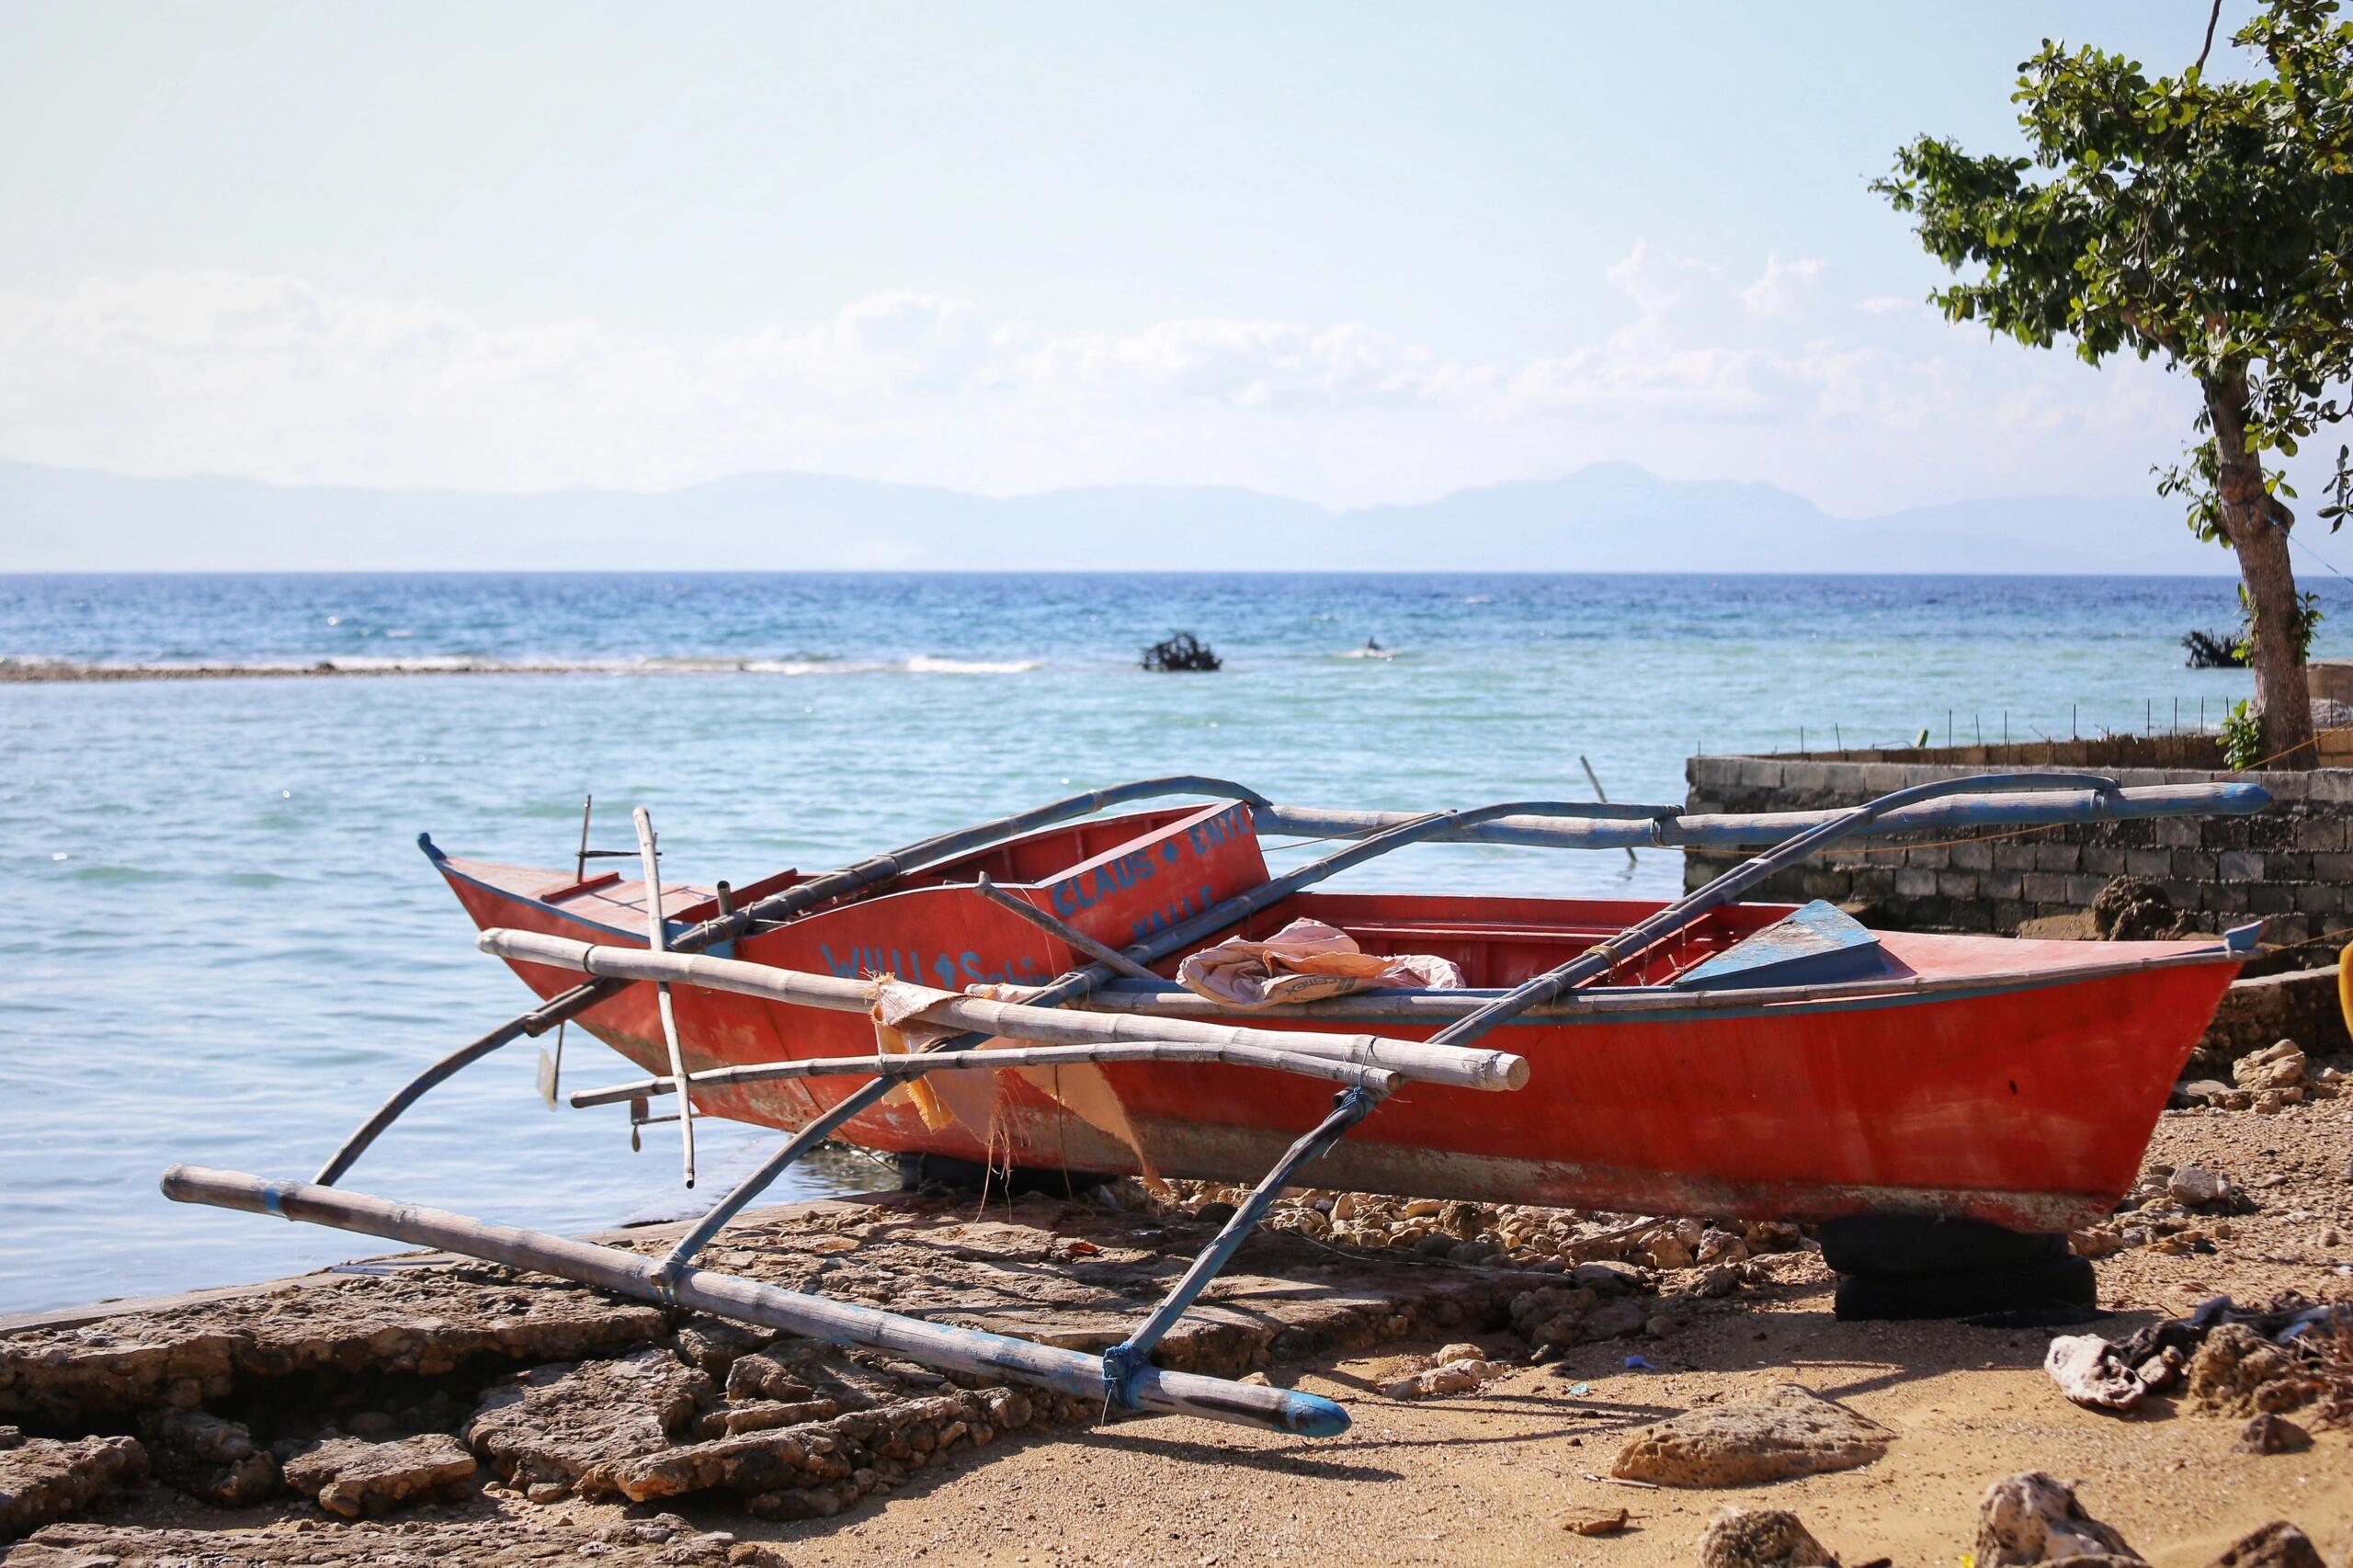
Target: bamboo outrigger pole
[1145,1052]
[1492,1070]
[745,1301]
[1605,826]
[1604,958]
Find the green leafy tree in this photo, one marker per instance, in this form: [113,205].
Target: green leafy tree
[2209,224]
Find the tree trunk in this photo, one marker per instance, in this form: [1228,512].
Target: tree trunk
[2256,524]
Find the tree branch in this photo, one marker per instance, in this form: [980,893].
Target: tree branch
[2207,48]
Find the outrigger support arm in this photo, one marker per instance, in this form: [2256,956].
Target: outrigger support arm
[678,1258]
[530,1025]
[773,910]
[747,1300]
[1670,828]
[888,1075]
[1604,958]
[1126,1362]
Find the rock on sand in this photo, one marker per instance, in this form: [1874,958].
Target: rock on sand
[2277,1545]
[1788,1432]
[43,1480]
[354,1477]
[2032,1518]
[1761,1537]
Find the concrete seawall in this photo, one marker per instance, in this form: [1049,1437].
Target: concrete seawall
[2290,867]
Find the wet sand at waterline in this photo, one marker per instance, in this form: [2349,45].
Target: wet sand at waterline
[1484,1475]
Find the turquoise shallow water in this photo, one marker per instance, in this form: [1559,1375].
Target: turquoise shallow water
[225,947]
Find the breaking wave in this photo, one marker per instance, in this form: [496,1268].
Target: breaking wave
[923,664]
[23,667]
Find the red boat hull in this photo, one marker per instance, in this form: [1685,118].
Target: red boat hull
[2027,1101]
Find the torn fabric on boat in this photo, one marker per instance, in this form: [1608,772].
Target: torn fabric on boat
[1306,962]
[970,1099]
[895,1004]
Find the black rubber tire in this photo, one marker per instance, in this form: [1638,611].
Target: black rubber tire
[1892,1245]
[2065,1282]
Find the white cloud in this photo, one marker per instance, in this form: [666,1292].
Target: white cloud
[1885,304]
[284,379]
[1658,282]
[1782,288]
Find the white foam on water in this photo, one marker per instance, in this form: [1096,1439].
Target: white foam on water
[360,664]
[924,664]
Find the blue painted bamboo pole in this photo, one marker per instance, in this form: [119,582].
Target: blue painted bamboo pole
[866,1098]
[1124,1360]
[987,1355]
[1641,827]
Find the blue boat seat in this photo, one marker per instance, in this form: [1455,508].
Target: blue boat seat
[1815,943]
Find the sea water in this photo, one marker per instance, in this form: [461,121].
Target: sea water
[224,948]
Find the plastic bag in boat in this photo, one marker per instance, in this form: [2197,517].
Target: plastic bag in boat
[1306,962]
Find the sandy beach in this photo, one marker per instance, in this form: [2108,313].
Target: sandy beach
[1490,1474]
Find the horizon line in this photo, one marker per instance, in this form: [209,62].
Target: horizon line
[215,477]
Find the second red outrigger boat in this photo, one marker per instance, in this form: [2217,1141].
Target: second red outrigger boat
[1703,1056]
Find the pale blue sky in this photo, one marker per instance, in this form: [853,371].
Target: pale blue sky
[1350,253]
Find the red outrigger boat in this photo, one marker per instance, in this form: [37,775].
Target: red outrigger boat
[1703,1056]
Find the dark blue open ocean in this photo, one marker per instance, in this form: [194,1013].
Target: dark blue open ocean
[224,947]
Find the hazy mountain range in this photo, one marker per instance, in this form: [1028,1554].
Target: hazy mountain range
[1606,518]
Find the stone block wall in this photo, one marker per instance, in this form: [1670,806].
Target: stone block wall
[2290,866]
